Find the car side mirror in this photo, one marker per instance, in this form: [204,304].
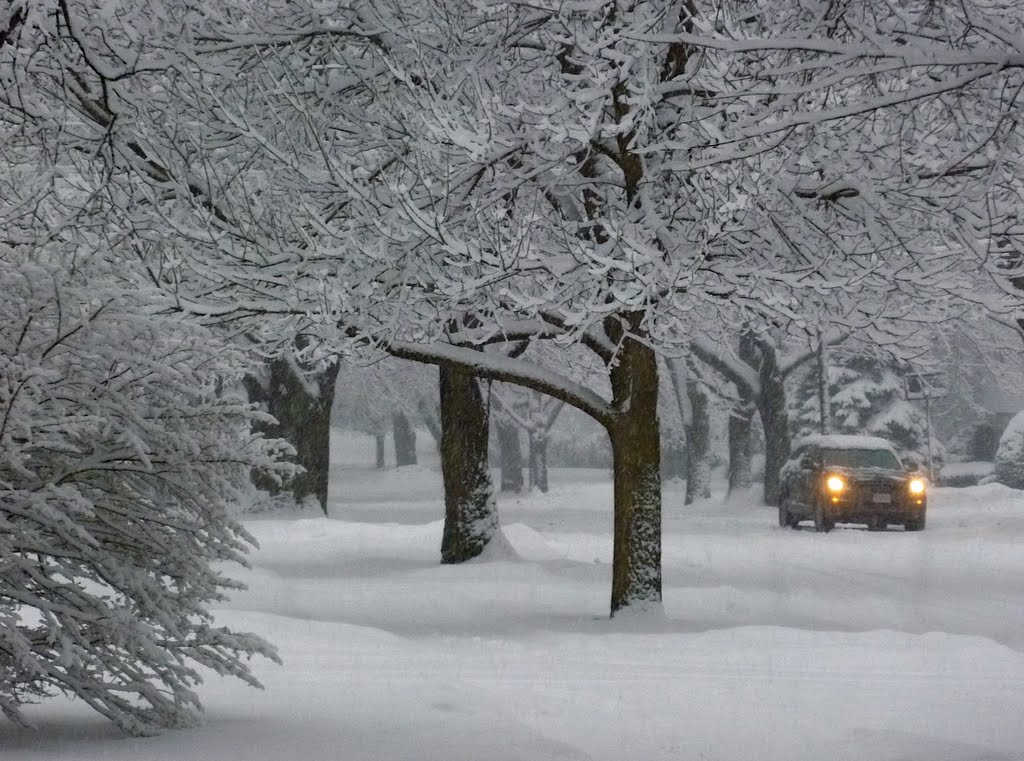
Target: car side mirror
[807,464]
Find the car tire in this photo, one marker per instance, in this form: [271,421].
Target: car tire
[821,523]
[914,525]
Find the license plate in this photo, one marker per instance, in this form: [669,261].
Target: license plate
[882,498]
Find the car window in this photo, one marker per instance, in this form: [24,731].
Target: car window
[860,458]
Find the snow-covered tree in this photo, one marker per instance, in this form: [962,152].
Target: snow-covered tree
[690,408]
[434,178]
[121,464]
[123,451]
[579,181]
[298,400]
[698,443]
[759,370]
[866,395]
[534,414]
[674,410]
[388,395]
[1010,454]
[604,174]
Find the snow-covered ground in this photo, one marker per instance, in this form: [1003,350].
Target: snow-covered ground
[776,645]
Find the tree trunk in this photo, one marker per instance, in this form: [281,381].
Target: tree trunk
[302,406]
[636,464]
[698,445]
[405,439]
[510,455]
[470,512]
[741,421]
[631,420]
[673,456]
[774,419]
[673,461]
[427,414]
[379,439]
[538,461]
[824,398]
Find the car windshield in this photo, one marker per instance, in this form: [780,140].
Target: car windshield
[860,458]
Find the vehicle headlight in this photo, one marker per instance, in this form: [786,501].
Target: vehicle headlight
[916,486]
[835,484]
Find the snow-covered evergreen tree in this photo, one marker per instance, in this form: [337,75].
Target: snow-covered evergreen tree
[121,460]
[1010,455]
[867,396]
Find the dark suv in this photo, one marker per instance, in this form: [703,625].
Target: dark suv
[850,479]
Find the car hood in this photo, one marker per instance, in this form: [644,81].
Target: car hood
[871,474]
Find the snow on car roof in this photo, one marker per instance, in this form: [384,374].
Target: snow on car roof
[844,441]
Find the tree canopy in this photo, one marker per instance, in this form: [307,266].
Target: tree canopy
[433,179]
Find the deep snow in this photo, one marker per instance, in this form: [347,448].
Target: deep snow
[776,644]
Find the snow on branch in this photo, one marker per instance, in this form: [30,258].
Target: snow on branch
[789,364]
[838,52]
[732,368]
[13,21]
[594,338]
[503,332]
[121,461]
[499,367]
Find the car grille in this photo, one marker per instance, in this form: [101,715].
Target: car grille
[865,491]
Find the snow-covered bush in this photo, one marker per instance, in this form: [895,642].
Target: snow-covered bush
[119,463]
[1010,455]
[961,474]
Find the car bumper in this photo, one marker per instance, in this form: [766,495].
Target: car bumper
[867,512]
